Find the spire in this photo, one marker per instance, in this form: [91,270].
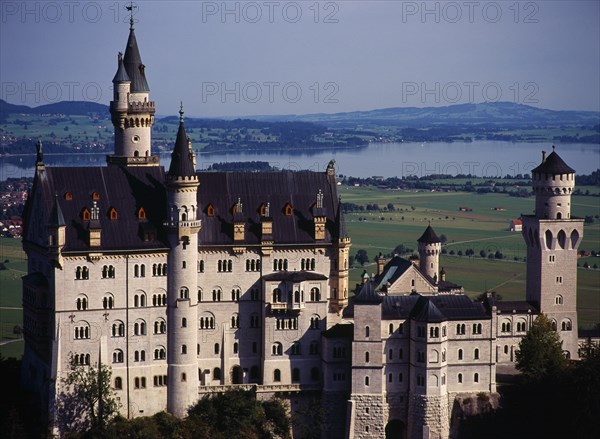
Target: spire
[57,218]
[121,75]
[181,160]
[40,153]
[429,236]
[133,61]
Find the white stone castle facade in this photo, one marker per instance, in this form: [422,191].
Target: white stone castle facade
[188,282]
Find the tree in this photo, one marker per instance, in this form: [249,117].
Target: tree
[540,352]
[391,207]
[86,400]
[443,237]
[361,257]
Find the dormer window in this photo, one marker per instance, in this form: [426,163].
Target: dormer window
[85,214]
[263,209]
[68,196]
[112,214]
[288,209]
[95,196]
[210,210]
[141,213]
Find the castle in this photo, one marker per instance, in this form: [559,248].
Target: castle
[188,283]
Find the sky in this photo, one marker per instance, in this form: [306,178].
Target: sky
[230,58]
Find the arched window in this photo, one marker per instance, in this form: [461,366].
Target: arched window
[85,214]
[277,349]
[277,375]
[141,214]
[288,209]
[117,356]
[460,354]
[476,378]
[366,381]
[366,357]
[183,349]
[118,383]
[391,329]
[235,348]
[558,300]
[217,349]
[108,301]
[118,329]
[216,373]
[476,354]
[366,331]
[460,378]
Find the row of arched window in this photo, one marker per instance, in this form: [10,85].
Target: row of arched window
[225,265]
[308,264]
[280,264]
[108,272]
[159,269]
[139,270]
[253,265]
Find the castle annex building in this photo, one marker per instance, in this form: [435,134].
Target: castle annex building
[188,283]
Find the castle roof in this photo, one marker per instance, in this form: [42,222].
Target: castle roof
[553,164]
[429,236]
[121,75]
[221,191]
[124,189]
[127,189]
[395,268]
[368,295]
[134,66]
[427,308]
[181,157]
[57,218]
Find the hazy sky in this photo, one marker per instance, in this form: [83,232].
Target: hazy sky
[272,57]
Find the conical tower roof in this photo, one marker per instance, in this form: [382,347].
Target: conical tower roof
[134,66]
[429,236]
[121,75]
[57,218]
[181,160]
[553,164]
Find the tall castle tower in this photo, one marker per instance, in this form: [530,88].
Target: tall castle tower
[182,231]
[552,239]
[429,254]
[131,110]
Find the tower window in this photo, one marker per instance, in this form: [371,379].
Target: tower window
[95,196]
[112,214]
[68,196]
[210,210]
[141,213]
[85,214]
[288,210]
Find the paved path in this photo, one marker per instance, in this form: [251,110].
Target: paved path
[2,343]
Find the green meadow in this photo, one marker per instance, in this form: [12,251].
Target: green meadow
[483,228]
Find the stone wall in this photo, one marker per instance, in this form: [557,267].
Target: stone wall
[368,416]
[428,417]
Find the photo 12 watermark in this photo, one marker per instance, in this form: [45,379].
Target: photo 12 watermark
[30,93]
[254,92]
[270,12]
[475,169]
[66,11]
[455,92]
[452,12]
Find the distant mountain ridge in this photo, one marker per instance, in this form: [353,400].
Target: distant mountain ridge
[485,113]
[70,108]
[495,113]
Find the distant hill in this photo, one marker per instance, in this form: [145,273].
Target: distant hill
[70,108]
[497,113]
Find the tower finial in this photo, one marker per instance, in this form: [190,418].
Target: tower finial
[181,112]
[130,8]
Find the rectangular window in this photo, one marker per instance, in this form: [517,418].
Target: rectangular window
[551,258]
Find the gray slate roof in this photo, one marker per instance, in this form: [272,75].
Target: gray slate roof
[134,66]
[429,236]
[128,189]
[181,160]
[553,164]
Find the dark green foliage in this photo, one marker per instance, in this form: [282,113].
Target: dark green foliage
[540,352]
[361,257]
[565,405]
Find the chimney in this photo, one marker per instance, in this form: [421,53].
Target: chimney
[239,224]
[94,227]
[266,224]
[320,217]
[380,264]
[443,275]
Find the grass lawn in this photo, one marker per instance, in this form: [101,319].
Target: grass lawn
[10,295]
[483,228]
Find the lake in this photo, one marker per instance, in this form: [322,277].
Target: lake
[482,159]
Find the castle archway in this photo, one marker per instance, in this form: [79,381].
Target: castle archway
[395,429]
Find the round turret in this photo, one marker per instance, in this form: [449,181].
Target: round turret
[430,247]
[553,183]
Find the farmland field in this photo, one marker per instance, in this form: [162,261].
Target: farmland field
[482,229]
